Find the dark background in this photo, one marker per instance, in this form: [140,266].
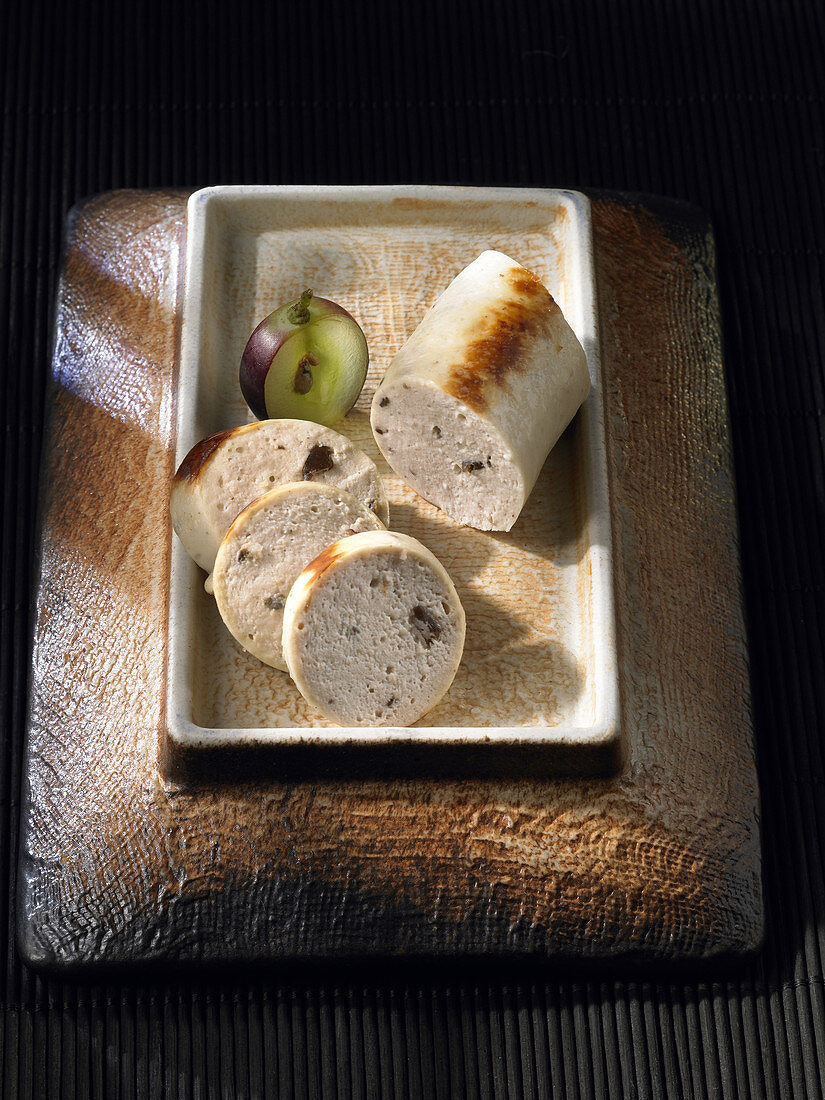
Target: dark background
[720,104]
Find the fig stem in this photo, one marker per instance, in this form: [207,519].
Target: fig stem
[298,312]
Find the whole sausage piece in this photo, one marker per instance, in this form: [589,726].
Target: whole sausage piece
[471,405]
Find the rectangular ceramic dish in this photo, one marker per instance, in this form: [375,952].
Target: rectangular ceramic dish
[539,667]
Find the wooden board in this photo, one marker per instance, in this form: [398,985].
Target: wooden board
[118,865]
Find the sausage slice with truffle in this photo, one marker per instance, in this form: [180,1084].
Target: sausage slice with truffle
[224,473]
[266,548]
[373,630]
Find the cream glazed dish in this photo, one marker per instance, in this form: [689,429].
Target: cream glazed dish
[530,577]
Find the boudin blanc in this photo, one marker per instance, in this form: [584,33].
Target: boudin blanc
[265,549]
[471,405]
[373,630]
[227,471]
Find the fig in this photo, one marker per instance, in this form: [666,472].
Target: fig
[306,361]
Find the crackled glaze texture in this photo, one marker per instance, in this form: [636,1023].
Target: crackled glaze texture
[661,861]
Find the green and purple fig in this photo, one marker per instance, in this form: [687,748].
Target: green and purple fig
[306,361]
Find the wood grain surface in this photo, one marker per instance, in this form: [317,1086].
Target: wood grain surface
[661,861]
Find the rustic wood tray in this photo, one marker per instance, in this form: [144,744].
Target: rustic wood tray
[122,865]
